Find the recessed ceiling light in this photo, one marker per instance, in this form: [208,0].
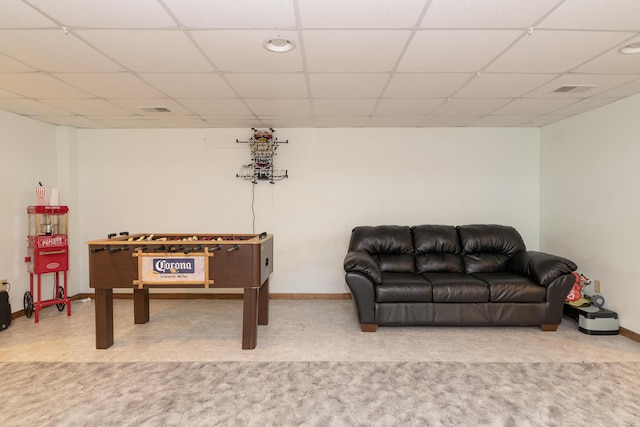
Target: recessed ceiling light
[279,45]
[630,48]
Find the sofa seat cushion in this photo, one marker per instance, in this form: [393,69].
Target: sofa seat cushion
[403,287]
[457,287]
[510,287]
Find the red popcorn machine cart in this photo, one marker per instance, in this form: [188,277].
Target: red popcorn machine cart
[48,252]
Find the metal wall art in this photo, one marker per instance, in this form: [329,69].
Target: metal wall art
[263,148]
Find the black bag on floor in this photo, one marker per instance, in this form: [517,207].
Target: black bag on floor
[5,310]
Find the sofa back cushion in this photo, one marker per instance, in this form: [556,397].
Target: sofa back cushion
[391,246]
[437,249]
[487,248]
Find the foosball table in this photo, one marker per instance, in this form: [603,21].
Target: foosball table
[144,261]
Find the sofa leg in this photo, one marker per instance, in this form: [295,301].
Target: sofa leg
[368,327]
[549,328]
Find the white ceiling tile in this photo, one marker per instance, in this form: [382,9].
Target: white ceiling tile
[545,119]
[583,105]
[347,107]
[515,121]
[39,85]
[547,51]
[30,107]
[106,13]
[536,107]
[425,85]
[396,121]
[79,122]
[455,50]
[234,122]
[341,121]
[409,107]
[17,14]
[287,86]
[600,82]
[55,51]
[353,50]
[449,120]
[493,85]
[470,107]
[110,85]
[131,49]
[182,122]
[280,107]
[9,65]
[503,121]
[243,51]
[623,91]
[10,95]
[88,107]
[233,14]
[216,107]
[614,62]
[360,13]
[485,13]
[126,122]
[135,106]
[344,86]
[286,121]
[190,85]
[595,14]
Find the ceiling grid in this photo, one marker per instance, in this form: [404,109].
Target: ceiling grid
[357,63]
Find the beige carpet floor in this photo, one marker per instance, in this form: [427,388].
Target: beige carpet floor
[312,366]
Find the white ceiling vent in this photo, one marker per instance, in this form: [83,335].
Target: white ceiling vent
[574,88]
[155,109]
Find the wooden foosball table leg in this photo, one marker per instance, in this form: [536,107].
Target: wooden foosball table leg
[140,306]
[263,304]
[250,319]
[104,318]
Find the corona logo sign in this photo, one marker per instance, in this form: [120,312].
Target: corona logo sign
[173,265]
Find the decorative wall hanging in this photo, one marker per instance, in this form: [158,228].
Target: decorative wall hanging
[263,148]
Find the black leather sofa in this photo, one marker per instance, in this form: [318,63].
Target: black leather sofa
[445,275]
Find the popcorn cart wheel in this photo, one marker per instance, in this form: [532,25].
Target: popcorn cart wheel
[60,296]
[28,304]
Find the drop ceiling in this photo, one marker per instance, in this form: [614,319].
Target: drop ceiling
[356,63]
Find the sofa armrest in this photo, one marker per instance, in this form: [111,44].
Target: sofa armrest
[362,262]
[539,266]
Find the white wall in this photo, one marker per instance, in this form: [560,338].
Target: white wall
[28,153]
[590,200]
[184,181]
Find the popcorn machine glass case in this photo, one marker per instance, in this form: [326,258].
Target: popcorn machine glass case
[47,252]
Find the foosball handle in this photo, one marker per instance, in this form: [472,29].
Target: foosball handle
[111,235]
[262,235]
[100,249]
[233,248]
[124,233]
